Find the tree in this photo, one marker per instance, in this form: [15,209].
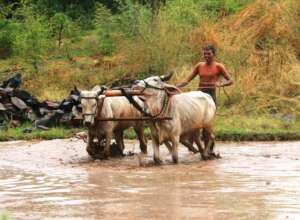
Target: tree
[61,27]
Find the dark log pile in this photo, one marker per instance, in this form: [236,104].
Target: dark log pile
[17,106]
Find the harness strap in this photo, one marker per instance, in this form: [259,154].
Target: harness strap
[139,108]
[134,103]
[99,107]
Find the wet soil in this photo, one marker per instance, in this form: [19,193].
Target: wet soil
[57,180]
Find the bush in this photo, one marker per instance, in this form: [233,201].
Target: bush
[33,38]
[60,27]
[105,26]
[7,39]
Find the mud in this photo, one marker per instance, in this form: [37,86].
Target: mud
[57,180]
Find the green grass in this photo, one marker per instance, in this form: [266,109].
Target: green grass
[4,216]
[248,128]
[256,128]
[52,133]
[230,128]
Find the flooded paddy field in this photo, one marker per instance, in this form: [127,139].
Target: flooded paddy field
[57,180]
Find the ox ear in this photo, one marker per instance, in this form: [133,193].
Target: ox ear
[101,90]
[167,77]
[172,90]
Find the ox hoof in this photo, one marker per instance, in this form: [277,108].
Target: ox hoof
[144,152]
[175,160]
[103,156]
[157,161]
[215,156]
[143,149]
[91,153]
[205,157]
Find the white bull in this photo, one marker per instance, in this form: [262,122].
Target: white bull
[190,112]
[95,106]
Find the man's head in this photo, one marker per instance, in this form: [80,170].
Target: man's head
[209,53]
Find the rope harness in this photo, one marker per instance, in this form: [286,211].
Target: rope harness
[131,100]
[140,108]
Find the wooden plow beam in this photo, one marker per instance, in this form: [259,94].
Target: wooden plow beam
[116,92]
[110,93]
[135,119]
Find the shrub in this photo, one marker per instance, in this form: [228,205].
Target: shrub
[7,38]
[33,38]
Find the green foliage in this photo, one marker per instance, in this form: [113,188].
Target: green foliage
[186,12]
[60,27]
[105,24]
[4,216]
[124,25]
[222,7]
[132,16]
[32,40]
[7,38]
[232,6]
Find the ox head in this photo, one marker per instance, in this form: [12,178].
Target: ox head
[156,92]
[157,83]
[89,102]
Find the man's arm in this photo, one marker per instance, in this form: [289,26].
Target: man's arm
[228,80]
[189,78]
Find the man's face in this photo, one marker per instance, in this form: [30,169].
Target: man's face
[208,56]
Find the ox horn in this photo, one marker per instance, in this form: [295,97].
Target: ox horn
[167,77]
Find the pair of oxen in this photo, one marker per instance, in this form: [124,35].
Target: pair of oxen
[190,112]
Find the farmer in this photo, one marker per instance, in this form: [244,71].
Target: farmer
[209,73]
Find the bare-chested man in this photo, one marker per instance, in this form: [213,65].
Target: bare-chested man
[209,73]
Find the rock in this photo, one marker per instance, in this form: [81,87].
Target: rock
[2,107]
[27,130]
[18,103]
[13,82]
[42,127]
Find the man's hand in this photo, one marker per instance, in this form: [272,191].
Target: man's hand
[181,84]
[219,84]
[223,84]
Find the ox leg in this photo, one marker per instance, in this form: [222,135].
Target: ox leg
[120,140]
[155,145]
[90,148]
[175,143]
[169,146]
[143,141]
[206,138]
[108,138]
[211,149]
[189,145]
[197,139]
[209,140]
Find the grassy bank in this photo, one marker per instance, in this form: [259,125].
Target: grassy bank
[238,128]
[53,133]
[4,216]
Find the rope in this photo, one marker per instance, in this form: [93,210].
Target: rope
[139,108]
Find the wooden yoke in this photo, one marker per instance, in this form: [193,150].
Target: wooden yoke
[109,93]
[115,92]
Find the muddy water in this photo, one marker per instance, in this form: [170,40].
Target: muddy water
[57,180]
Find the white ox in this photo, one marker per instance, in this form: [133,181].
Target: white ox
[190,112]
[95,106]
